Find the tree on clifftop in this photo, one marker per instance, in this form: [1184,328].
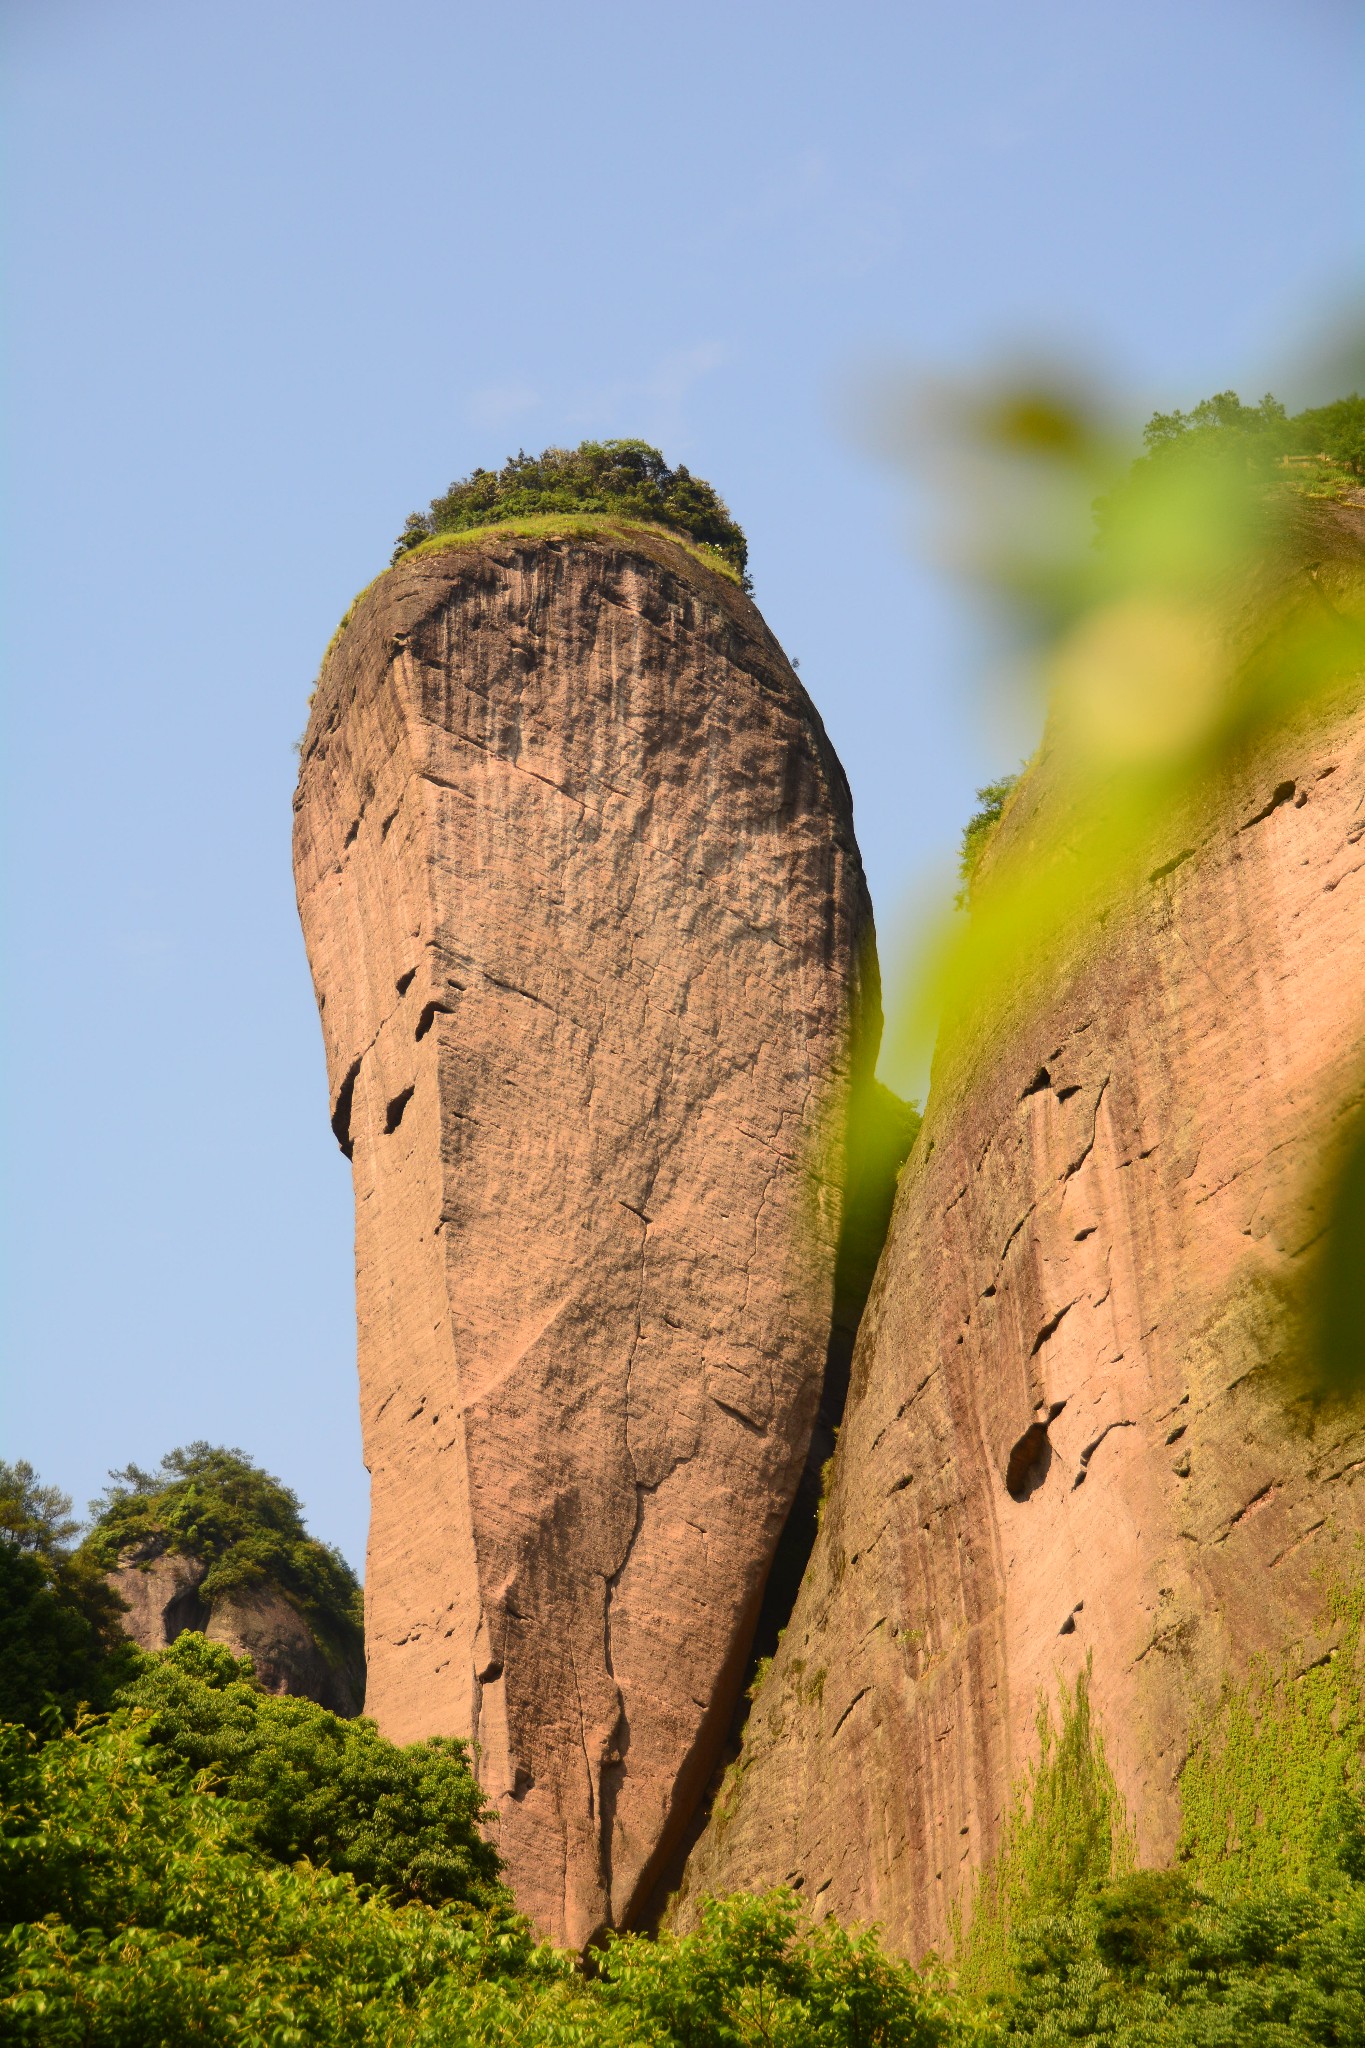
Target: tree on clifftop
[626,477]
[219,1506]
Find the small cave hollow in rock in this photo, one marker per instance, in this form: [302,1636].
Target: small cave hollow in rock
[393,1115]
[430,1012]
[341,1115]
[1030,1458]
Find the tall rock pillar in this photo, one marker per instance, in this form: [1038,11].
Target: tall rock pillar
[592,950]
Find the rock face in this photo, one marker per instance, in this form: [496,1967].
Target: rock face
[260,1623]
[591,945]
[161,1592]
[1066,1437]
[159,1589]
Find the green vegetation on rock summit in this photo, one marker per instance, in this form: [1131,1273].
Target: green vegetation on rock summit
[217,1505]
[628,479]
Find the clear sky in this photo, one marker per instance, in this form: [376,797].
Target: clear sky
[278,273]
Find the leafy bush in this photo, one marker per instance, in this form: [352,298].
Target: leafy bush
[217,1505]
[991,799]
[1320,449]
[625,477]
[758,1970]
[139,1912]
[211,1864]
[405,1821]
[61,1646]
[1149,1963]
[143,1910]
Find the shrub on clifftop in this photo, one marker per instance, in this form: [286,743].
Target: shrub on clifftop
[1265,434]
[626,477]
[217,1505]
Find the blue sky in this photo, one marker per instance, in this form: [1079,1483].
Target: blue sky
[277,274]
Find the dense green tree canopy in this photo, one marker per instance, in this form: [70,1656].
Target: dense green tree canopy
[141,1910]
[628,478]
[219,1506]
[1320,450]
[403,1821]
[61,1645]
[210,1864]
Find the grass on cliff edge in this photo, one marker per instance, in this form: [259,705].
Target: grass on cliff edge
[573,525]
[627,479]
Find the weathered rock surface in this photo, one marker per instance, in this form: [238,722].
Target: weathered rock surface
[159,1589]
[1067,1437]
[590,938]
[163,1598]
[260,1623]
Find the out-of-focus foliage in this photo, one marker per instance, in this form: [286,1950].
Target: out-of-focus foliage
[992,798]
[219,1506]
[628,478]
[1335,1323]
[1322,449]
[61,1646]
[1211,609]
[1136,645]
[405,1821]
[881,1130]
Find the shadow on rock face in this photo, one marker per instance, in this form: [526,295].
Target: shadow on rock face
[161,1592]
[260,1623]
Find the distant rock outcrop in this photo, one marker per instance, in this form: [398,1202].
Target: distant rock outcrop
[1072,1436]
[592,950]
[159,1589]
[162,1592]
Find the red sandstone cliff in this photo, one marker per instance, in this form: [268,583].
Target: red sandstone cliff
[588,928]
[1069,1434]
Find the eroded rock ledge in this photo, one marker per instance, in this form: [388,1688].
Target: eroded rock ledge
[591,944]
